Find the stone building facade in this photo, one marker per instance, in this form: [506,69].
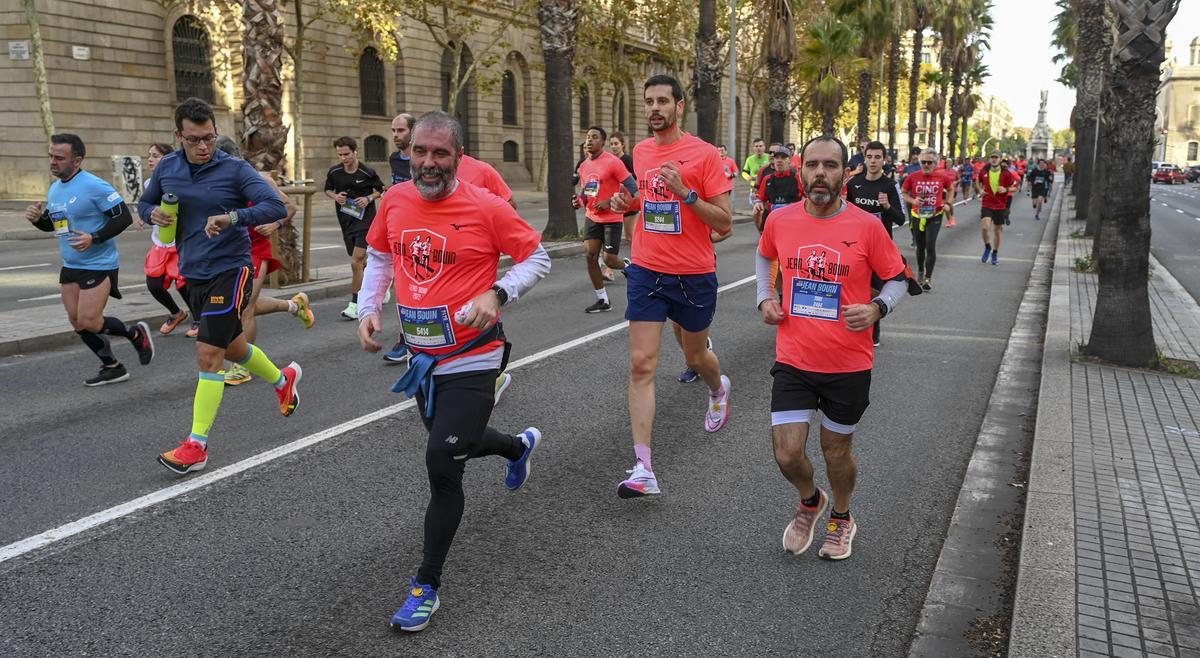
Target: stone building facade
[1178,110]
[116,69]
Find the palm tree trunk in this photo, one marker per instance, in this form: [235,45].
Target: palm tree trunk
[914,86]
[39,68]
[941,133]
[264,136]
[297,53]
[708,72]
[779,72]
[827,123]
[1093,52]
[863,129]
[1121,329]
[558,21]
[894,61]
[955,108]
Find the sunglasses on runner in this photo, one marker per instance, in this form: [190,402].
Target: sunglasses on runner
[926,162]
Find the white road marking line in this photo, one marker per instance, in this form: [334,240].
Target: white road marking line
[38,299]
[328,246]
[65,531]
[1176,210]
[23,267]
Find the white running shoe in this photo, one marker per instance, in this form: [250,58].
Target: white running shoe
[502,384]
[641,482]
[351,311]
[718,408]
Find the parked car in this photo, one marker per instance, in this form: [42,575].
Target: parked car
[1193,173]
[1169,174]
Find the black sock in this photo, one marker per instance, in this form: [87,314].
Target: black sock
[840,516]
[114,327]
[811,502]
[353,298]
[99,346]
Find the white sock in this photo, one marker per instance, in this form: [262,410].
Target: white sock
[602,295]
[292,308]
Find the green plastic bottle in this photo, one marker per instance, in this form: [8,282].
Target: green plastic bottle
[170,206]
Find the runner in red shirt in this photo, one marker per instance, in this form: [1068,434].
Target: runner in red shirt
[927,193]
[684,197]
[481,174]
[995,184]
[828,250]
[601,175]
[441,239]
[729,166]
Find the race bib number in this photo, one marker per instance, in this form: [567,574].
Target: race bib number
[351,210]
[58,217]
[662,217]
[426,327]
[927,207]
[591,188]
[819,300]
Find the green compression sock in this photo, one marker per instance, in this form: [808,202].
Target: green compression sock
[258,363]
[209,389]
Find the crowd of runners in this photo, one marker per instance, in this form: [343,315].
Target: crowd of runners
[828,271]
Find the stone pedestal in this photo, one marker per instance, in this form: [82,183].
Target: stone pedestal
[1041,142]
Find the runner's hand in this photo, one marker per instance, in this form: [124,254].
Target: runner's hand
[367,327]
[362,201]
[883,201]
[216,224]
[575,202]
[772,312]
[160,218]
[340,198]
[619,201]
[266,229]
[34,212]
[485,309]
[80,241]
[860,317]
[669,174]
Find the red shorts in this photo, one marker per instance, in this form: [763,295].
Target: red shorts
[164,262]
[261,254]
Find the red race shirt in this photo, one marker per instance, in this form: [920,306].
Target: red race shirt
[826,264]
[992,199]
[668,237]
[600,178]
[729,167]
[482,174]
[929,191]
[445,254]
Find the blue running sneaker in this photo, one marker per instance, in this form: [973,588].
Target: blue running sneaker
[987,251]
[995,258]
[421,604]
[399,353]
[688,376]
[517,470]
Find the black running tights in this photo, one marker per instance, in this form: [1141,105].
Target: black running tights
[927,245]
[458,432]
[163,296]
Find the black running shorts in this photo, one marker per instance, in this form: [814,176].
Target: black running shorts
[354,232]
[843,397]
[88,279]
[998,217]
[219,301]
[608,234]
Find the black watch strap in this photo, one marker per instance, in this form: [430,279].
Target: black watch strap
[501,294]
[883,307]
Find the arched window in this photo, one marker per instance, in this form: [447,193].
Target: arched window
[585,108]
[619,110]
[193,61]
[508,99]
[512,152]
[376,149]
[1193,151]
[370,83]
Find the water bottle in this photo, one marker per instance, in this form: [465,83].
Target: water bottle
[170,206]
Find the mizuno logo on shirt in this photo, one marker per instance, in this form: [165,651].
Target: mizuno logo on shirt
[457,227]
[849,244]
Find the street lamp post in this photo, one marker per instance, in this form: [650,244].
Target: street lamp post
[733,90]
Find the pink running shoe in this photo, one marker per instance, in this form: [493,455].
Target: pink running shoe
[289,396]
[798,534]
[838,538]
[718,408]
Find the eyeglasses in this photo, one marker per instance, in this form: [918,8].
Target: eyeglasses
[926,162]
[193,140]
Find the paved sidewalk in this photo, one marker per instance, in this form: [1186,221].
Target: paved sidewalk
[1110,561]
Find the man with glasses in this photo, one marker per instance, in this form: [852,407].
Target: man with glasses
[219,198]
[928,195]
[994,185]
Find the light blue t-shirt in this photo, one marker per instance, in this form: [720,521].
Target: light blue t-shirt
[85,199]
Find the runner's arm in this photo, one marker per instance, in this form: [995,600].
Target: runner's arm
[43,222]
[267,206]
[522,276]
[715,212]
[149,200]
[377,277]
[894,290]
[119,219]
[287,200]
[895,213]
[762,278]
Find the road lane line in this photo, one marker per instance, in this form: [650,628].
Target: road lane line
[68,530]
[1179,211]
[43,297]
[23,267]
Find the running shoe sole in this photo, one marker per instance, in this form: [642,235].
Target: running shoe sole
[304,312]
[292,384]
[728,412]
[115,380]
[420,627]
[849,546]
[505,380]
[624,491]
[182,470]
[821,507]
[239,381]
[144,329]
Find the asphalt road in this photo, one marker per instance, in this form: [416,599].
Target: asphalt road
[1175,232]
[309,554]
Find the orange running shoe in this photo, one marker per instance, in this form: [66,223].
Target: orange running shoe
[172,322]
[191,455]
[289,397]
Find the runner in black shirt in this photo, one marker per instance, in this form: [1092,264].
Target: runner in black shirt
[1040,180]
[402,138]
[876,194]
[353,186]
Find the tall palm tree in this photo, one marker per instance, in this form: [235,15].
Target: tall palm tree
[1064,38]
[900,19]
[558,20]
[709,67]
[952,26]
[1121,329]
[779,49]
[935,105]
[970,102]
[873,20]
[978,26]
[829,49]
[922,14]
[264,136]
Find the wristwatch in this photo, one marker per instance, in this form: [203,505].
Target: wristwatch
[233,218]
[691,198]
[501,294]
[882,305]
